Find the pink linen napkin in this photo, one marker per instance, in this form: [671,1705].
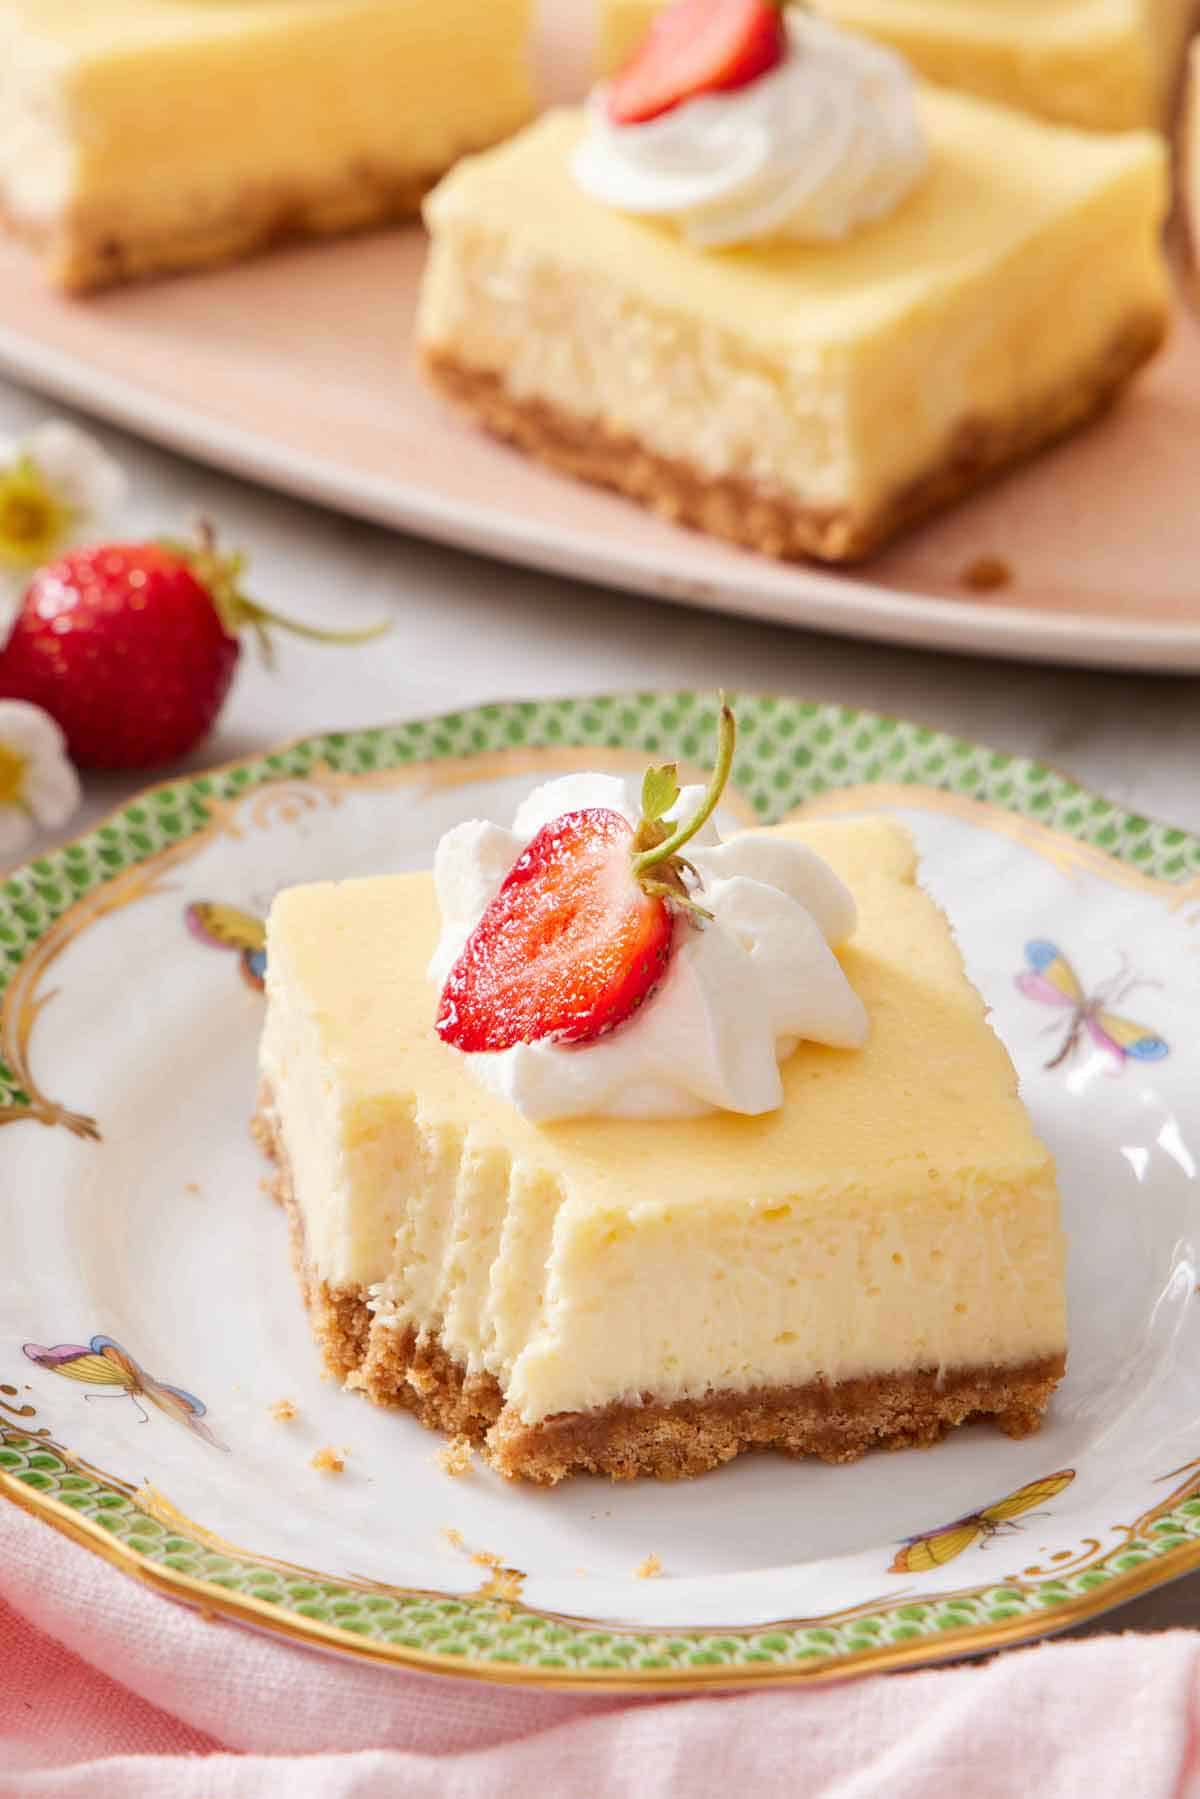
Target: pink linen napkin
[108,1689]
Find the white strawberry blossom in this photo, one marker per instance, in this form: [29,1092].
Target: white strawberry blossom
[39,789]
[57,486]
[80,470]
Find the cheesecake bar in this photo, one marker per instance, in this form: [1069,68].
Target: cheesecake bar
[802,398]
[875,1261]
[1107,65]
[138,137]
[1189,160]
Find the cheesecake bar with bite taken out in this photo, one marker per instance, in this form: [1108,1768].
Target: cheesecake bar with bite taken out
[617,1147]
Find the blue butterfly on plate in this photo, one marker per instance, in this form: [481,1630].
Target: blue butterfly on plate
[229,928]
[1051,980]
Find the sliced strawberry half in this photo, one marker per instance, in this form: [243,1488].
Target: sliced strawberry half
[580,933]
[698,47]
[569,948]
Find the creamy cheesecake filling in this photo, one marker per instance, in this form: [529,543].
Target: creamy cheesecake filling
[1189,159]
[141,135]
[293,94]
[550,1296]
[666,1439]
[837,377]
[786,1293]
[574,340]
[1105,65]
[37,154]
[594,1265]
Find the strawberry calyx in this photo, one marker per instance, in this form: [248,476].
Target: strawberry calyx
[219,572]
[698,47]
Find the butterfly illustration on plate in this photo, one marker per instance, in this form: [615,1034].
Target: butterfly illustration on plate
[229,928]
[103,1363]
[1051,980]
[934,1548]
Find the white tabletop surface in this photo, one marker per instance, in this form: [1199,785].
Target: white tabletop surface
[466,630]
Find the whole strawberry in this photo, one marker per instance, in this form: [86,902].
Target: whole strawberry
[131,647]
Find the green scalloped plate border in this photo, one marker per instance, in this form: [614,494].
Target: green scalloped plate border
[790,752]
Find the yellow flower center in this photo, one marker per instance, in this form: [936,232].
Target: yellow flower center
[13,769]
[33,522]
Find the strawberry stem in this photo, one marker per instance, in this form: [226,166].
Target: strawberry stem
[249,612]
[664,852]
[220,574]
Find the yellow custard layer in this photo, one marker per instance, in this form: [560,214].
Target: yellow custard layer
[836,375]
[1108,65]
[160,117]
[1189,155]
[897,1212]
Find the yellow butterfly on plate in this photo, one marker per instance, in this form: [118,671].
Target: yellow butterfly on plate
[934,1548]
[228,927]
[103,1363]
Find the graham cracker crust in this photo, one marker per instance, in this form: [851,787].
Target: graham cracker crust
[668,1441]
[767,519]
[92,248]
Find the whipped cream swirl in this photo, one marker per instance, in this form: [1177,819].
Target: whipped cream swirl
[737,997]
[823,144]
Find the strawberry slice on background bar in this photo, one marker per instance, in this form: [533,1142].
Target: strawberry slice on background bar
[697,47]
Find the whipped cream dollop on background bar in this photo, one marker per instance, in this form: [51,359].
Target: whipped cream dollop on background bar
[737,995]
[818,147]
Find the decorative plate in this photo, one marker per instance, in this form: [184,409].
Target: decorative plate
[150,1322]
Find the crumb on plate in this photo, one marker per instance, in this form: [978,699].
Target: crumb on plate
[987,574]
[503,1585]
[192,1187]
[453,1536]
[284,1409]
[330,1461]
[455,1457]
[486,1558]
[650,1569]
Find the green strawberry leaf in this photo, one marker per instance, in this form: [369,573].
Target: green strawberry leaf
[660,790]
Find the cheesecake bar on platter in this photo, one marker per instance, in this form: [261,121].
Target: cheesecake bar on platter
[1189,161]
[143,136]
[620,1162]
[769,286]
[1108,65]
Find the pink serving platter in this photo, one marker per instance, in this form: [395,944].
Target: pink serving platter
[297,371]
